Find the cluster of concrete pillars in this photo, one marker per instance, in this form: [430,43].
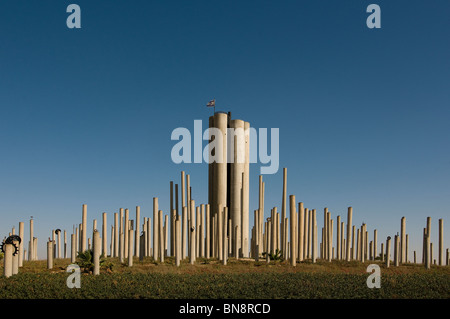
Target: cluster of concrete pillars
[201,232]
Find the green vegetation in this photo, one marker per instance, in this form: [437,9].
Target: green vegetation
[240,279]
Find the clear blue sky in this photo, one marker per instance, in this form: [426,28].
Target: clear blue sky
[86,115]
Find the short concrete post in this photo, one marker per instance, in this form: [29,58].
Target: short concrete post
[382,252]
[192,231]
[142,246]
[97,248]
[15,260]
[7,259]
[415,257]
[50,254]
[375,235]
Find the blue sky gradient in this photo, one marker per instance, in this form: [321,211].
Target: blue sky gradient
[86,115]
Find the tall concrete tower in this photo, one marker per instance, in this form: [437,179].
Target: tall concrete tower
[228,175]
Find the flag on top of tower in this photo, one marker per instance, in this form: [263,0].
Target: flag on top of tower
[211,103]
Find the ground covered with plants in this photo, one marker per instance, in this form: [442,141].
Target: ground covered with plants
[240,279]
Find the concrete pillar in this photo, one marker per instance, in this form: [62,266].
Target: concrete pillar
[220,232]
[177,242]
[35,241]
[225,238]
[441,242]
[30,248]
[382,252]
[49,254]
[406,248]
[21,235]
[172,232]
[245,194]
[54,244]
[371,250]
[116,235]
[283,203]
[293,234]
[197,232]
[155,229]
[184,232]
[149,237]
[330,238]
[73,250]
[121,235]
[349,232]
[338,237]
[166,235]
[15,259]
[104,248]
[208,231]
[160,236]
[375,237]
[415,260]
[188,194]
[306,234]
[388,252]
[403,241]
[427,251]
[97,250]
[141,246]
[126,232]
[84,228]
[309,233]
[202,231]
[65,244]
[353,251]
[192,233]
[237,156]
[301,231]
[431,252]
[396,250]
[362,236]
[325,227]
[358,245]
[342,243]
[8,260]
[130,247]
[314,236]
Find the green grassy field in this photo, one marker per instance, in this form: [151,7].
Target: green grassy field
[240,279]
